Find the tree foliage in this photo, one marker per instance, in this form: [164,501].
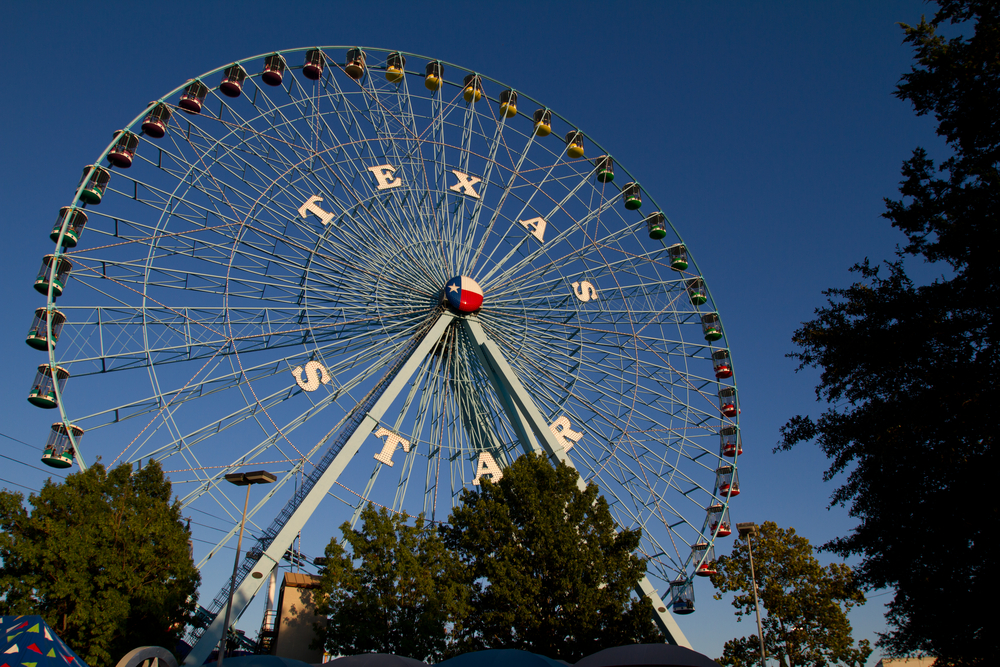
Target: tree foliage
[398,590]
[549,572]
[911,370]
[103,558]
[806,604]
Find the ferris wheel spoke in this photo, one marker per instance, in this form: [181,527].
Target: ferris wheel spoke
[189,441]
[515,175]
[577,181]
[609,407]
[189,392]
[466,265]
[272,441]
[457,217]
[251,411]
[125,337]
[290,152]
[258,198]
[633,503]
[188,241]
[118,337]
[391,115]
[205,384]
[620,475]
[505,271]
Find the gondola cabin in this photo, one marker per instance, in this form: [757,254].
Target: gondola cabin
[632,196]
[508,103]
[731,443]
[59,450]
[697,292]
[193,97]
[155,123]
[74,219]
[703,555]
[678,257]
[394,65]
[727,481]
[38,334]
[43,390]
[605,168]
[727,402]
[656,225]
[232,80]
[45,276]
[274,69]
[123,151]
[682,596]
[722,364]
[314,64]
[543,122]
[355,64]
[472,90]
[433,75]
[93,184]
[574,144]
[711,327]
[718,521]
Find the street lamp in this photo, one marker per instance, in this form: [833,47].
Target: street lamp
[746,530]
[246,479]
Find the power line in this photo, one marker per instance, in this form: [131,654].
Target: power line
[196,539]
[20,442]
[4,456]
[221,530]
[20,485]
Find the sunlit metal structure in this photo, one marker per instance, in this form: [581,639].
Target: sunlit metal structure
[389,287]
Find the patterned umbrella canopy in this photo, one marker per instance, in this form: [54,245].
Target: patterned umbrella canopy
[28,641]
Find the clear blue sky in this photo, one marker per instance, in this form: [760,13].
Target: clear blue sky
[767,131]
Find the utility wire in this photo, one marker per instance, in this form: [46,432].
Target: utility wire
[20,485]
[4,456]
[20,442]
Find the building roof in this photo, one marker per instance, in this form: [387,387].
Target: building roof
[296,580]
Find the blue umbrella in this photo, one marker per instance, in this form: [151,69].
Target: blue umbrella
[501,657]
[28,641]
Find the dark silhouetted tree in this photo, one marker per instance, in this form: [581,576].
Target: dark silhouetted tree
[911,371]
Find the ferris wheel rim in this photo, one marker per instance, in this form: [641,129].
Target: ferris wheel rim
[226,310]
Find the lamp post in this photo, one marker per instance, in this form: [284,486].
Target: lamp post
[746,530]
[246,479]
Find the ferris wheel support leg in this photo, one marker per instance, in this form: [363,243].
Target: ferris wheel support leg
[283,540]
[663,619]
[521,406]
[526,418]
[520,425]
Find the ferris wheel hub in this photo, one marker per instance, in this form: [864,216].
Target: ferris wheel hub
[463,294]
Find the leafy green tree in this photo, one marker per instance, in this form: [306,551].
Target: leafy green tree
[103,557]
[806,604]
[398,590]
[911,371]
[551,574]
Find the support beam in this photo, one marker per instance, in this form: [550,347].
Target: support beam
[283,540]
[528,420]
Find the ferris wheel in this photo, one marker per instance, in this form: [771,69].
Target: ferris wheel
[387,277]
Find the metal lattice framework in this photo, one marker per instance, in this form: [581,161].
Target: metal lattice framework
[271,270]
